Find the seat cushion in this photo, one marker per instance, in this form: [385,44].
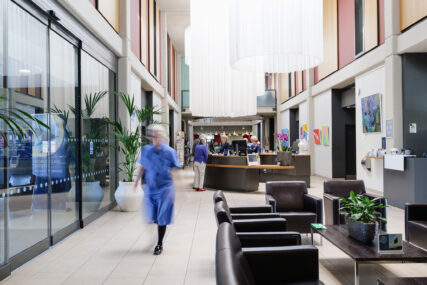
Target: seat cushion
[299,221]
[417,233]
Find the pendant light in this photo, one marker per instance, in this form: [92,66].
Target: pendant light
[279,36]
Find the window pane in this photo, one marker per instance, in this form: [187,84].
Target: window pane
[358,26]
[25,172]
[63,83]
[95,135]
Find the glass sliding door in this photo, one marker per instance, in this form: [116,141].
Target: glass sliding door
[63,133]
[96,103]
[25,169]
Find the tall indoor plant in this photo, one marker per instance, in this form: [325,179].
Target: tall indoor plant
[130,141]
[361,216]
[284,152]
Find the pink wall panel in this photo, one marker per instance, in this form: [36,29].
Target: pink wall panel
[345,32]
[135,28]
[381,22]
[93,2]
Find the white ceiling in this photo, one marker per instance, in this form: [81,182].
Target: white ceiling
[178,18]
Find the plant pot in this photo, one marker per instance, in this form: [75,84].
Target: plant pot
[362,232]
[128,199]
[91,197]
[284,158]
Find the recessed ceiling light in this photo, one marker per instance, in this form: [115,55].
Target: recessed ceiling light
[24,70]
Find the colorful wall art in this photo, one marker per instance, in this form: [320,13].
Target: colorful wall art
[316,136]
[303,132]
[371,113]
[325,135]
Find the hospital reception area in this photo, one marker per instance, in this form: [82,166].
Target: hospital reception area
[227,142]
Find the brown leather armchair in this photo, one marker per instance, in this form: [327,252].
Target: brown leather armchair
[416,224]
[335,189]
[291,200]
[263,265]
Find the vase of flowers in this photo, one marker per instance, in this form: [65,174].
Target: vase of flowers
[284,151]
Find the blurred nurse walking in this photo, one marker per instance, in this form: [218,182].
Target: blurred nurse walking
[157,160]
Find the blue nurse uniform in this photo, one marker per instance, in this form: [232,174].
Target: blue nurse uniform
[160,192]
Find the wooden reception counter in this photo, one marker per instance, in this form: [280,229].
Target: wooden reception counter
[233,173]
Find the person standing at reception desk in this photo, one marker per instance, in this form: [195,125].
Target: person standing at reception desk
[200,159]
[254,146]
[225,146]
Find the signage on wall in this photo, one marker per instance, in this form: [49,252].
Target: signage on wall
[413,128]
[383,143]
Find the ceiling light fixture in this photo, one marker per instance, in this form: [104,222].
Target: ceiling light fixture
[278,36]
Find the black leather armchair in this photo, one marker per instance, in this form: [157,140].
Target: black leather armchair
[274,224]
[416,224]
[334,190]
[256,209]
[263,265]
[291,200]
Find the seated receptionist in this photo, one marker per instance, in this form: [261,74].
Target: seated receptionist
[225,146]
[254,146]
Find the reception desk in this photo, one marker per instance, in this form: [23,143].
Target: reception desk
[233,173]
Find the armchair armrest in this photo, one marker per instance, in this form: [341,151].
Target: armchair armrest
[266,239]
[271,201]
[260,225]
[251,209]
[283,264]
[416,212]
[314,205]
[332,209]
[254,216]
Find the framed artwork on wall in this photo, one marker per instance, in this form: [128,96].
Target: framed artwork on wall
[371,113]
[325,135]
[317,136]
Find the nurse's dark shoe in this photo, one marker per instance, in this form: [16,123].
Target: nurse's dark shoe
[158,250]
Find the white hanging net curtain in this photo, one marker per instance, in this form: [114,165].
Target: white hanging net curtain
[279,36]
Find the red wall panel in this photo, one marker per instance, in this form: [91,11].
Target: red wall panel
[316,75]
[303,80]
[346,29]
[135,28]
[381,22]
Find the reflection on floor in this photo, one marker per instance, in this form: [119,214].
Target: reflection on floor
[117,248]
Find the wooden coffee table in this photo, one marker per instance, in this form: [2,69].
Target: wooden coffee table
[367,254]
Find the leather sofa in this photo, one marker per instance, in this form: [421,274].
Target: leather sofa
[275,224]
[336,189]
[291,200]
[416,224]
[268,264]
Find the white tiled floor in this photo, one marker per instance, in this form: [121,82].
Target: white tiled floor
[117,248]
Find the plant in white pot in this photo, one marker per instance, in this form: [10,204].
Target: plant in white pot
[129,145]
[362,218]
[284,153]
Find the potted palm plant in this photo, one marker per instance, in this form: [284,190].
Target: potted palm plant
[362,219]
[284,153]
[129,144]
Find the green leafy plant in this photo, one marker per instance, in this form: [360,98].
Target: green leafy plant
[17,121]
[130,142]
[360,208]
[284,149]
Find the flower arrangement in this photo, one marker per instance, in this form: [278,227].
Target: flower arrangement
[282,142]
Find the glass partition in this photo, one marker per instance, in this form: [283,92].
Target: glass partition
[63,133]
[25,168]
[97,108]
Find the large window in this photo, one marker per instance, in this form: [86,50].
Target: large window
[51,178]
[97,107]
[25,167]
